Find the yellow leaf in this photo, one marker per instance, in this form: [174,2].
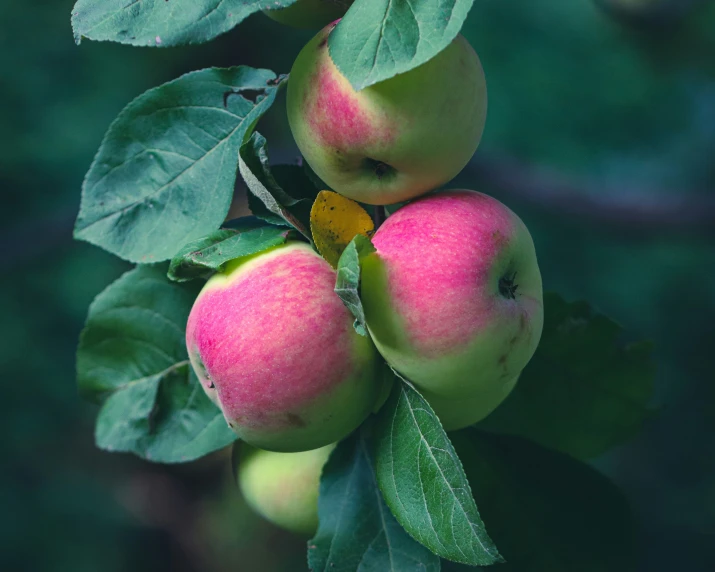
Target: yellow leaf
[334,222]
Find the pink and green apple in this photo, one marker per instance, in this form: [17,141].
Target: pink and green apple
[275,348]
[310,13]
[283,487]
[394,140]
[453,300]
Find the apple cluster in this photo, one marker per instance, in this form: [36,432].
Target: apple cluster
[452,294]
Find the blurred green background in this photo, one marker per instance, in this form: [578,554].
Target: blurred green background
[601,135]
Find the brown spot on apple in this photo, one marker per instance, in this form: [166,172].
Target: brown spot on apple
[499,239]
[295,420]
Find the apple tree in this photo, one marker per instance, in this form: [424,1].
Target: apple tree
[417,401]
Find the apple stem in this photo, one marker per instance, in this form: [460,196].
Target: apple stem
[379,215]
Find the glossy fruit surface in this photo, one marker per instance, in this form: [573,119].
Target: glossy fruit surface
[275,348]
[453,299]
[394,140]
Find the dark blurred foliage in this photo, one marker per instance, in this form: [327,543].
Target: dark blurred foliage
[601,135]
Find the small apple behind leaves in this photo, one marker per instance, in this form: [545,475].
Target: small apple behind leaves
[453,300]
[310,13]
[282,487]
[275,348]
[394,140]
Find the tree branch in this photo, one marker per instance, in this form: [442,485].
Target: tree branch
[625,207]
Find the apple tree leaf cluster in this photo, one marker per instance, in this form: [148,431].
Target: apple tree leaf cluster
[399,493]
[545,510]
[377,40]
[132,358]
[347,285]
[159,23]
[269,201]
[357,531]
[239,237]
[424,484]
[164,174]
[583,392]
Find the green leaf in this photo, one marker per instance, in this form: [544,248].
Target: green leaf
[378,39]
[547,511]
[162,22]
[165,418]
[165,172]
[583,392]
[348,278]
[424,484]
[275,205]
[132,353]
[248,235]
[357,533]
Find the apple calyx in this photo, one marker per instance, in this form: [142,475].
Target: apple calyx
[380,168]
[508,286]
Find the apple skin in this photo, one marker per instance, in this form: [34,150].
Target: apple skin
[453,300]
[310,13]
[274,347]
[394,140]
[282,487]
[459,412]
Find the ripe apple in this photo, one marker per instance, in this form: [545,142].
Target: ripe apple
[394,140]
[453,300]
[310,13]
[283,487]
[275,348]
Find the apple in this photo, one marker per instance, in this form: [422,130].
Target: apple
[459,412]
[453,300]
[310,13]
[394,140]
[282,487]
[275,348]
